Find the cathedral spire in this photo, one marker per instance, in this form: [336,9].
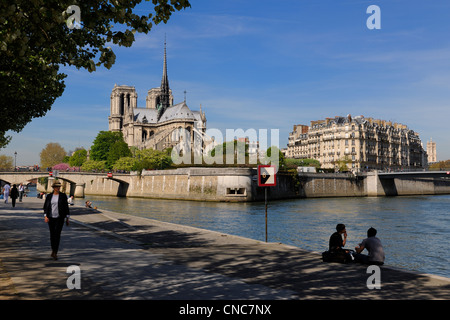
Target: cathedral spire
[165,90]
[165,79]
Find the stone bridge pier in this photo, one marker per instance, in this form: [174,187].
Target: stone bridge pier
[75,189]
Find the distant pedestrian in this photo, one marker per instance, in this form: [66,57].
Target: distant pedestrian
[373,245]
[6,190]
[56,210]
[21,192]
[14,195]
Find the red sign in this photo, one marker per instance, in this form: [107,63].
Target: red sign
[109,174]
[267,176]
[50,174]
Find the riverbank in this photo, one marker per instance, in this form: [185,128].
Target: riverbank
[239,184]
[128,257]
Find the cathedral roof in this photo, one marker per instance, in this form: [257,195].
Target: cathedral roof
[145,115]
[178,111]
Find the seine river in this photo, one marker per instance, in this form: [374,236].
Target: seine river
[414,230]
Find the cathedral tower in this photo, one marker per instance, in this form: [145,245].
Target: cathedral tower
[123,100]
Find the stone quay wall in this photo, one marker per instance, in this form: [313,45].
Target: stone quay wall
[240,185]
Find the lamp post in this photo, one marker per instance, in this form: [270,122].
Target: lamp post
[15,160]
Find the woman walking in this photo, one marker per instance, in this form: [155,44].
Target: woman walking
[14,195]
[56,210]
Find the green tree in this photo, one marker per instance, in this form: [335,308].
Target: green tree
[78,158]
[93,165]
[52,154]
[233,152]
[109,146]
[118,150]
[125,163]
[272,158]
[342,164]
[152,159]
[36,39]
[238,147]
[294,163]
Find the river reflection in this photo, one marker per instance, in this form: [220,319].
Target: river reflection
[414,230]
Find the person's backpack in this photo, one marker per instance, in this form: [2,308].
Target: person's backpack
[336,256]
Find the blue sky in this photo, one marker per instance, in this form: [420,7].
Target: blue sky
[269,65]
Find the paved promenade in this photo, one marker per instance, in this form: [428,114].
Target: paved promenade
[125,257]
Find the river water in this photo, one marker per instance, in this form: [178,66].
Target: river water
[414,230]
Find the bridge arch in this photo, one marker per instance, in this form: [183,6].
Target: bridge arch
[70,187]
[123,186]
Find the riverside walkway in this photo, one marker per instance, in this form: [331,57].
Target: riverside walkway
[124,257]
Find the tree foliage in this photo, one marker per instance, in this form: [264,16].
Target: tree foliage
[152,159]
[92,165]
[342,164]
[118,150]
[441,165]
[294,163]
[78,158]
[275,157]
[6,162]
[52,154]
[61,167]
[35,40]
[230,152]
[125,164]
[109,146]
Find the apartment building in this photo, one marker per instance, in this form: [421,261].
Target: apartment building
[361,143]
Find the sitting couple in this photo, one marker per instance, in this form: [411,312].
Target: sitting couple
[337,252]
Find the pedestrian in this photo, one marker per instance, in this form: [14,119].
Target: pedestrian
[6,190]
[21,192]
[375,248]
[14,195]
[56,210]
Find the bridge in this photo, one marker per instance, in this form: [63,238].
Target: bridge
[407,183]
[414,175]
[216,184]
[74,183]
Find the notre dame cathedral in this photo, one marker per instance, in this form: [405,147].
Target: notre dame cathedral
[159,125]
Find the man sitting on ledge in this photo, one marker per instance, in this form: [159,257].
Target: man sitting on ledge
[373,245]
[336,251]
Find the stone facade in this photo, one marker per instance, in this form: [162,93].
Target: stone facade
[159,125]
[363,143]
[431,151]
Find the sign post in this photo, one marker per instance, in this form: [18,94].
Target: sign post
[266,178]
